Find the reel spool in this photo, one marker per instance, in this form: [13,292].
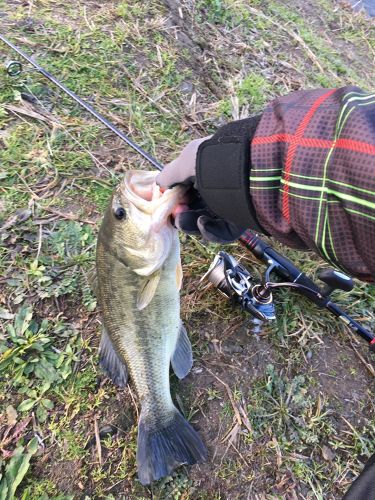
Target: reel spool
[235,282]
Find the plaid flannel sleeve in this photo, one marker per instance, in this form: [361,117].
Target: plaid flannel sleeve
[312,179]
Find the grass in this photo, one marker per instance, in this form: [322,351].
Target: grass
[307,415]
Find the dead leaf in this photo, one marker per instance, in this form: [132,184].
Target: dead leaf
[5,314]
[27,109]
[327,453]
[19,216]
[11,415]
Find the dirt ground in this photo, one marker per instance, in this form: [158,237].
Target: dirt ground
[287,413]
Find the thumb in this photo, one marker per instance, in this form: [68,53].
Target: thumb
[182,168]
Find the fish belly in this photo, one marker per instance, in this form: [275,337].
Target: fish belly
[145,339]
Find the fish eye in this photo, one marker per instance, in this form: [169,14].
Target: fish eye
[120,213]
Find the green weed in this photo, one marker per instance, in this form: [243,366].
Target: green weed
[29,352]
[12,473]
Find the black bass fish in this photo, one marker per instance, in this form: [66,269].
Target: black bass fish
[139,276]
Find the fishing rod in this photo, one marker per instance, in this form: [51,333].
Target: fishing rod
[14,68]
[225,273]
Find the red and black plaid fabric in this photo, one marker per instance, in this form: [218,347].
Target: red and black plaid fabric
[312,178]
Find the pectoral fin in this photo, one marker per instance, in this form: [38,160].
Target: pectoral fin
[179,275]
[110,362]
[182,359]
[148,290]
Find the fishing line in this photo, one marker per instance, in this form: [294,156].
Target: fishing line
[96,160]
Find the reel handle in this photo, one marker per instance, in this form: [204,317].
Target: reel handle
[283,267]
[335,280]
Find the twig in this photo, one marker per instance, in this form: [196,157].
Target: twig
[34,195]
[90,25]
[31,5]
[293,34]
[230,395]
[28,111]
[239,453]
[66,216]
[97,440]
[139,89]
[231,435]
[369,368]
[92,178]
[40,239]
[245,419]
[216,448]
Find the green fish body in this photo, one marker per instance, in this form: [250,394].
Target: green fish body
[139,275]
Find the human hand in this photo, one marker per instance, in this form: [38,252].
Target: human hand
[193,216]
[182,169]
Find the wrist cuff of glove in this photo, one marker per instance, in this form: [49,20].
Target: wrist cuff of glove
[222,175]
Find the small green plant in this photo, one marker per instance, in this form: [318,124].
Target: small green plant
[215,11]
[286,407]
[12,473]
[29,349]
[31,354]
[253,90]
[43,490]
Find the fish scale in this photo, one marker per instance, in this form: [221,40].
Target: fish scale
[127,321]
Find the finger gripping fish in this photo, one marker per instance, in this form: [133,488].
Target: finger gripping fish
[139,277]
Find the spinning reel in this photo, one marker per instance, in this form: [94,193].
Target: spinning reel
[234,281]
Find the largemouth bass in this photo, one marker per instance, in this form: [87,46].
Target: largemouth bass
[139,277]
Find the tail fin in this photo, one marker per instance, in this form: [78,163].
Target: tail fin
[161,450]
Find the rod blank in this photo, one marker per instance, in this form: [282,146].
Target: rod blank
[84,104]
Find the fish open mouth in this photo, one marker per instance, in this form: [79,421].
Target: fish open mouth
[143,184]
[149,212]
[141,190]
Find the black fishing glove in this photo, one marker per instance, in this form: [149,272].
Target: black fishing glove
[199,219]
[217,169]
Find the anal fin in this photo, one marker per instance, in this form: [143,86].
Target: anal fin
[182,359]
[110,362]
